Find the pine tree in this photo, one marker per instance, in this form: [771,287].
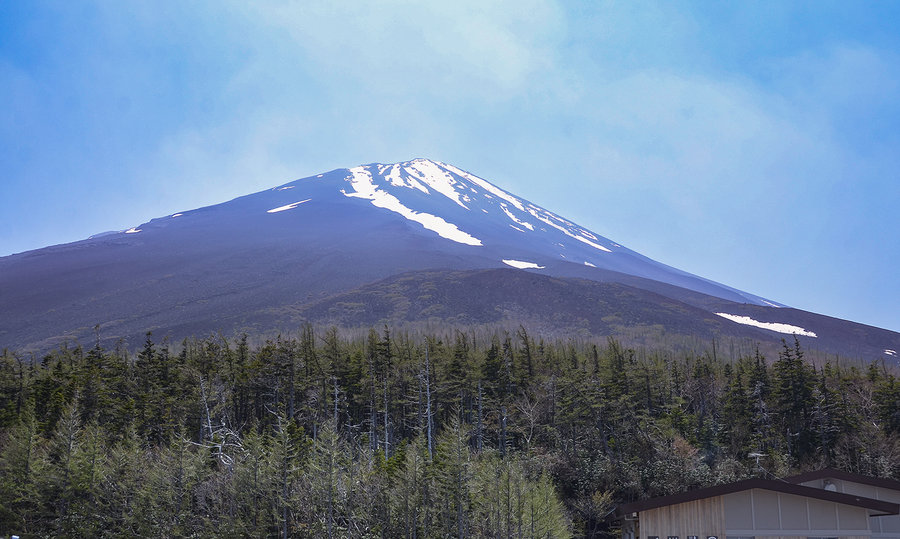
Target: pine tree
[793,394]
[825,417]
[736,410]
[61,486]
[22,463]
[328,487]
[887,399]
[287,462]
[451,468]
[408,491]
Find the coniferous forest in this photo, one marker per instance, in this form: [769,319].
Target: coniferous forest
[394,434]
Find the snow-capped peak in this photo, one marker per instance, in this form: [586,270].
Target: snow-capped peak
[421,189]
[443,209]
[363,186]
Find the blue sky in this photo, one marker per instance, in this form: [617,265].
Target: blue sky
[756,144]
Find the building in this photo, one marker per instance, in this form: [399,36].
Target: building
[883,527]
[762,508]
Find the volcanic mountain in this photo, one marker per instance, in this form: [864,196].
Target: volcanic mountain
[413,242]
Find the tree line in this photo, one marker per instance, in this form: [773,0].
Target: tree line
[399,434]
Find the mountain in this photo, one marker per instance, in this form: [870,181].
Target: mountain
[322,248]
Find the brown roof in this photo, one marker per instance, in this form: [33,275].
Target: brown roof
[880,506]
[831,473]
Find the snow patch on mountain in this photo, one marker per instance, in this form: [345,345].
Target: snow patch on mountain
[772,326]
[364,187]
[287,207]
[589,264]
[395,178]
[176,215]
[375,182]
[487,186]
[514,219]
[133,230]
[890,352]
[435,177]
[521,264]
[547,218]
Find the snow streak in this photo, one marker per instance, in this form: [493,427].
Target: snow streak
[287,207]
[771,326]
[521,264]
[364,187]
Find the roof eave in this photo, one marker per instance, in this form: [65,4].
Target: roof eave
[881,506]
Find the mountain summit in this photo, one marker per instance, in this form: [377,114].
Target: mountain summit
[269,260]
[437,201]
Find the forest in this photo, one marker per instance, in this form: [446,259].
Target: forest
[408,434]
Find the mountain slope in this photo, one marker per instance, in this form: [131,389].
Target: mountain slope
[230,266]
[566,307]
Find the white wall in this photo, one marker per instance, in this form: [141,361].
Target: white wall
[760,512]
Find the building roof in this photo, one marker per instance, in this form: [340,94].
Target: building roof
[879,507]
[831,473]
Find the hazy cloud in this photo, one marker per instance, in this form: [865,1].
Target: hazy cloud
[447,49]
